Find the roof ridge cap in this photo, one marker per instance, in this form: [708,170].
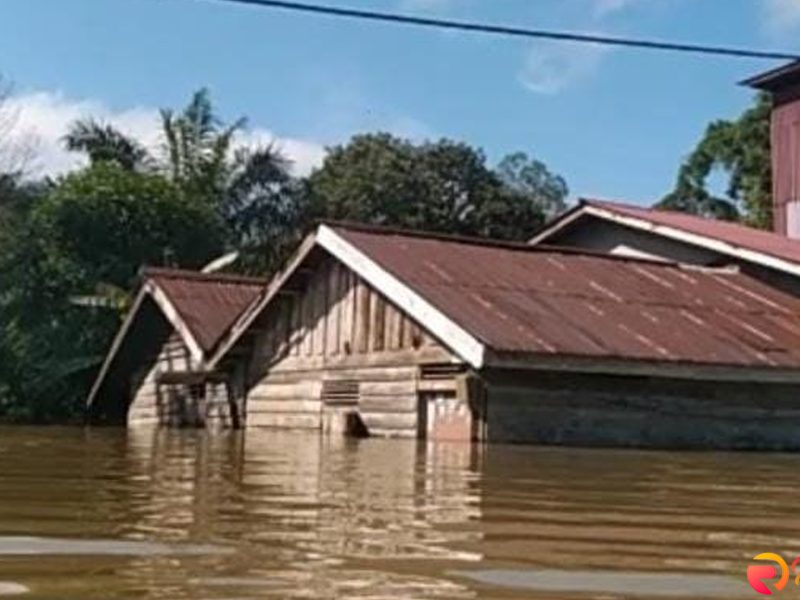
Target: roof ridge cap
[491,242]
[214,277]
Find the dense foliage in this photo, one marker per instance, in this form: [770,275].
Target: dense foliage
[70,248]
[438,186]
[741,150]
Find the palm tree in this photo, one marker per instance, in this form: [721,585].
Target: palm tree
[103,143]
[250,187]
[198,145]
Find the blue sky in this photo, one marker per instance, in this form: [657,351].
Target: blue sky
[614,123]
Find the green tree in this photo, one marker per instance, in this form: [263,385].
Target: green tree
[741,149]
[440,186]
[108,222]
[250,188]
[88,235]
[103,143]
[532,179]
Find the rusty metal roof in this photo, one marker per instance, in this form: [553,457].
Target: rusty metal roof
[733,233]
[201,307]
[723,236]
[209,303]
[552,303]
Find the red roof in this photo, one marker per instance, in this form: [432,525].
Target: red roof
[734,234]
[552,303]
[208,303]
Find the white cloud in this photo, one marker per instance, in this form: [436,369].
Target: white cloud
[41,120]
[551,68]
[782,15]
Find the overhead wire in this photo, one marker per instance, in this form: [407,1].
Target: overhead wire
[512,31]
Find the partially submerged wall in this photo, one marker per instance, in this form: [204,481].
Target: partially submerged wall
[167,393]
[575,409]
[336,347]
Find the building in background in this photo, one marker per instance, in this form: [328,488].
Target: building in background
[783,84]
[628,230]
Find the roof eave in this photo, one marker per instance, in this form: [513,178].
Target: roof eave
[557,224]
[774,78]
[151,289]
[464,344]
[674,233]
[430,317]
[643,368]
[251,313]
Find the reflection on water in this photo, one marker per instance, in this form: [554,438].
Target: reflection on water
[172,515]
[12,589]
[670,585]
[20,546]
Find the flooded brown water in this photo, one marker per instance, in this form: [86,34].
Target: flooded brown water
[171,515]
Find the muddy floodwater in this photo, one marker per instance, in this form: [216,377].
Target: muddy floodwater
[113,514]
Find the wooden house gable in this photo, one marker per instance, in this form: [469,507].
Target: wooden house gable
[330,317]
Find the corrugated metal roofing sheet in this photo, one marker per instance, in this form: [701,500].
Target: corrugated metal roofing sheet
[552,303]
[209,303]
[734,234]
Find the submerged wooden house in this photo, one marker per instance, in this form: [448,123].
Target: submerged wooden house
[393,333]
[154,371]
[617,326]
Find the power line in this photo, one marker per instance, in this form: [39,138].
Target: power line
[563,36]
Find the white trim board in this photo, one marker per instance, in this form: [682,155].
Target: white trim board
[406,299]
[426,314]
[168,309]
[709,243]
[250,314]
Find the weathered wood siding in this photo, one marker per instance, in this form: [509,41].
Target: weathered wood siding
[574,409]
[177,404]
[154,404]
[338,329]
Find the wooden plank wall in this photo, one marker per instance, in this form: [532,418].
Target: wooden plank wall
[151,405]
[337,328]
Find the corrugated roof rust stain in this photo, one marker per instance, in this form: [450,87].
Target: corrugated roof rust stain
[548,301]
[208,303]
[741,236]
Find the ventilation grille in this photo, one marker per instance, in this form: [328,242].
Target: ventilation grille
[441,372]
[340,393]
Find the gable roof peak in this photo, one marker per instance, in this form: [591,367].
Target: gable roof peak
[736,240]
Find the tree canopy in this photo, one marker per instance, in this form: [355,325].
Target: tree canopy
[71,248]
[740,149]
[436,186]
[84,241]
